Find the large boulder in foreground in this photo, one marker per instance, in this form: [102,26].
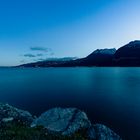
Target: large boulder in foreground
[68,121]
[9,113]
[65,121]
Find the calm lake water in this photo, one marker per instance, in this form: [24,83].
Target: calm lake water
[108,95]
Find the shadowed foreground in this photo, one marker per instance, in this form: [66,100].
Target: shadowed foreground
[54,124]
[15,131]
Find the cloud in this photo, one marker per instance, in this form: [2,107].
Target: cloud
[41,59]
[40,54]
[32,55]
[39,48]
[29,55]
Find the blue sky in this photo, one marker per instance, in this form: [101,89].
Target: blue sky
[64,28]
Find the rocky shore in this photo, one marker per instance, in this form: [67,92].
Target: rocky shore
[54,124]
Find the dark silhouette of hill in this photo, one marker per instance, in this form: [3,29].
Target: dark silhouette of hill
[128,55]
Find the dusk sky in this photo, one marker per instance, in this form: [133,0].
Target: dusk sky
[32,30]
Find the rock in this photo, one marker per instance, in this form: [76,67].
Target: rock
[105,133]
[70,120]
[5,120]
[91,134]
[9,113]
[64,121]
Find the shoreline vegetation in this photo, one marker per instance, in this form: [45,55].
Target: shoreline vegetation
[54,124]
[126,56]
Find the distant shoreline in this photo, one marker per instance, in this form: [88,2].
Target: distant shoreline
[126,56]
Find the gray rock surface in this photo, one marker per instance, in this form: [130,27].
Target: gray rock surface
[70,120]
[105,133]
[91,134]
[65,121]
[9,113]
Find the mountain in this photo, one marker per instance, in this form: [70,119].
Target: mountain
[127,55]
[100,57]
[61,59]
[50,62]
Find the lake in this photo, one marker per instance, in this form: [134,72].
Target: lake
[108,95]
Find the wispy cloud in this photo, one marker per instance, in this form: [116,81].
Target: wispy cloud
[36,53]
[39,48]
[40,54]
[29,55]
[41,59]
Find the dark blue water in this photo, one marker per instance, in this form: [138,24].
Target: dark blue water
[108,95]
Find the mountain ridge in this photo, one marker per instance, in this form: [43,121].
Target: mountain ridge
[127,55]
